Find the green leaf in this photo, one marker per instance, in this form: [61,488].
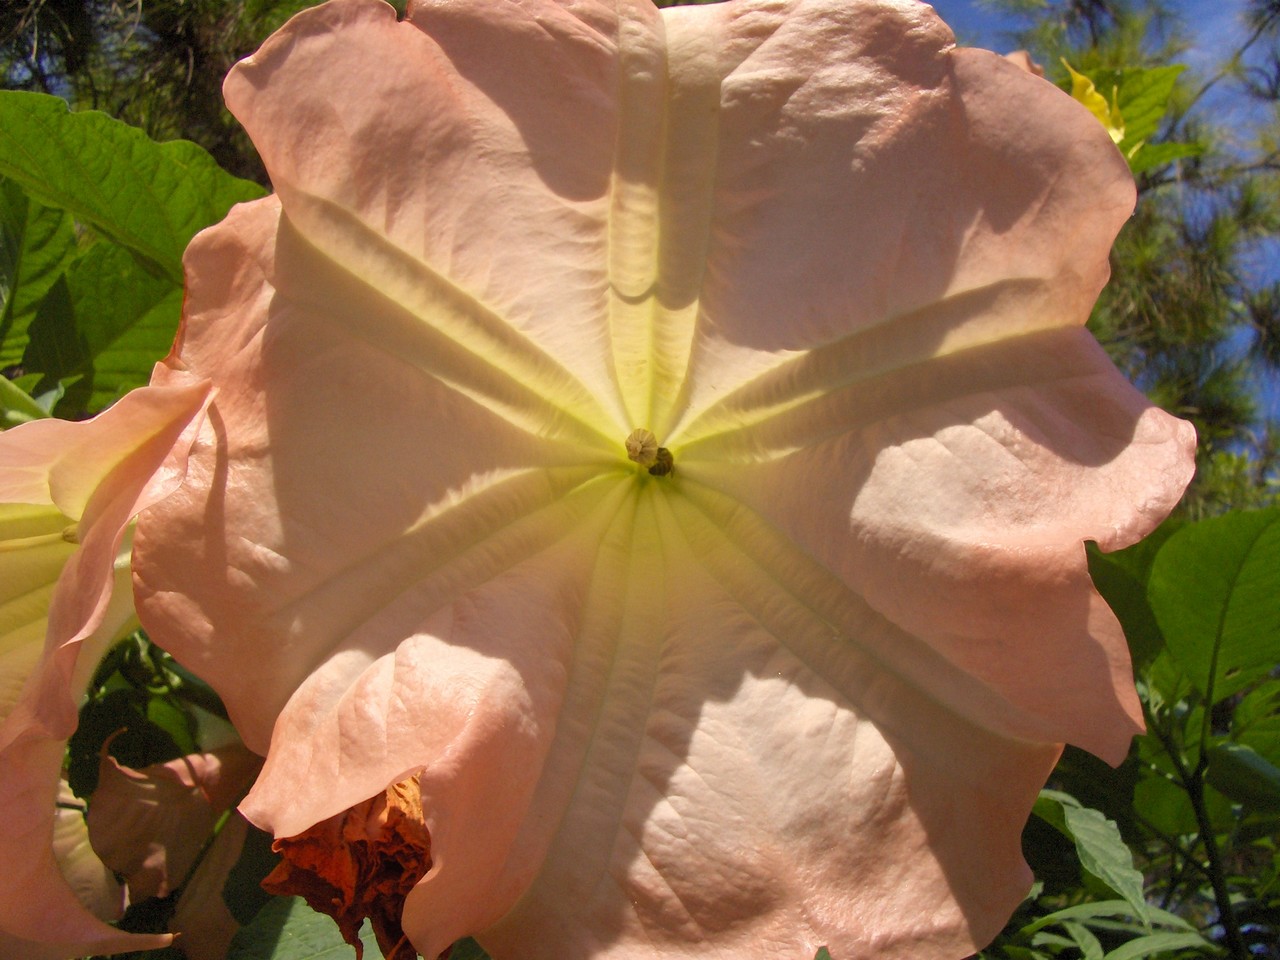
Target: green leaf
[1256,722]
[1138,559]
[1165,806]
[1090,948]
[36,244]
[1143,94]
[1213,590]
[149,197]
[1098,843]
[1096,909]
[467,950]
[243,893]
[46,398]
[1144,100]
[1056,941]
[1166,682]
[1127,597]
[1152,155]
[288,929]
[822,954]
[1242,774]
[1155,943]
[17,406]
[110,324]
[173,720]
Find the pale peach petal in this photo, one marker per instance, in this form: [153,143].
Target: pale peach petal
[37,904]
[954,495]
[1022,60]
[949,249]
[90,479]
[149,825]
[744,709]
[504,245]
[97,474]
[204,924]
[94,884]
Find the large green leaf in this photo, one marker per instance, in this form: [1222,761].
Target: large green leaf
[1121,577]
[1099,845]
[107,323]
[1166,682]
[1167,807]
[1144,100]
[288,929]
[1127,597]
[1256,722]
[1244,775]
[1085,940]
[150,197]
[36,244]
[1213,589]
[242,893]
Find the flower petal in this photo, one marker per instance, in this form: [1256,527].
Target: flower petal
[555,656]
[933,217]
[925,489]
[98,473]
[330,540]
[149,825]
[37,905]
[521,311]
[202,915]
[93,882]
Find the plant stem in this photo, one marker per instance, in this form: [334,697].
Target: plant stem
[1193,783]
[1226,912]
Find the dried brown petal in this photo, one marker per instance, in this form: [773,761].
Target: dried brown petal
[361,863]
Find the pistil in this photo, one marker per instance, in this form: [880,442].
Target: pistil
[642,447]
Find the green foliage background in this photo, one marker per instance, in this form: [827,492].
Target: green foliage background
[1173,855]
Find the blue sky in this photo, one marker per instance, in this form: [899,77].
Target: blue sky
[1214,25]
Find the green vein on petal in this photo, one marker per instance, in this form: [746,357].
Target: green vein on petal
[823,622]
[606,713]
[804,416]
[405,307]
[959,323]
[660,215]
[449,551]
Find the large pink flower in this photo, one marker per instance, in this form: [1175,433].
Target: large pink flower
[800,690]
[68,494]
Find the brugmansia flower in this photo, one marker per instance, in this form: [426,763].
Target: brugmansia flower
[151,827]
[672,438]
[148,825]
[68,493]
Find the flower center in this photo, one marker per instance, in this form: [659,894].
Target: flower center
[642,447]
